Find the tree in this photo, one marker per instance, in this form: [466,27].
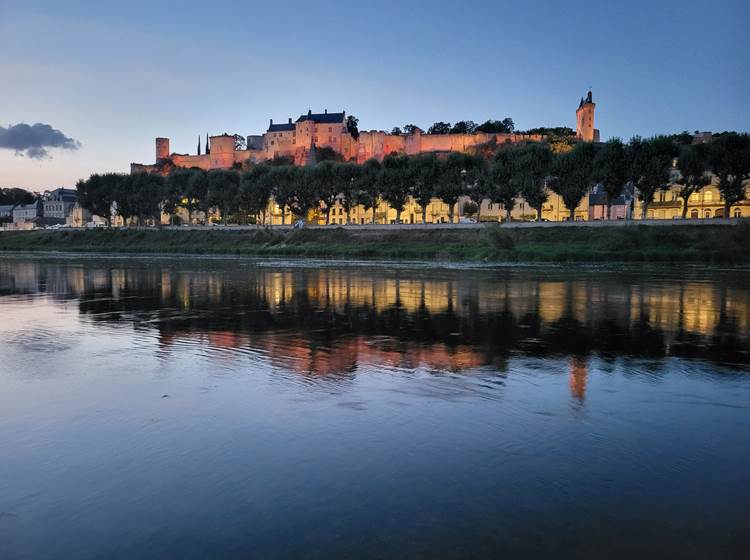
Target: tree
[502,187]
[693,164]
[283,187]
[396,182]
[426,170]
[326,153]
[368,184]
[96,194]
[504,126]
[572,175]
[396,131]
[255,192]
[352,123]
[323,175]
[411,129]
[611,170]
[14,196]
[531,168]
[307,196]
[176,189]
[461,171]
[439,127]
[347,175]
[729,160]
[240,142]
[464,127]
[124,195]
[147,190]
[223,192]
[197,195]
[650,166]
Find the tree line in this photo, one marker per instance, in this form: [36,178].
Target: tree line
[529,171]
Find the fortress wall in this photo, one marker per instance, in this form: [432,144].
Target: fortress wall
[191,161]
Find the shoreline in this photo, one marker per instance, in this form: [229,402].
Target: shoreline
[712,244]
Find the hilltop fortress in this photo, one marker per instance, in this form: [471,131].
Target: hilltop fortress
[299,140]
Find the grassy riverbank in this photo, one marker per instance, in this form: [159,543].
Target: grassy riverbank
[674,243]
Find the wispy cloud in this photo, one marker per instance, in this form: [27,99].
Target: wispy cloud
[34,140]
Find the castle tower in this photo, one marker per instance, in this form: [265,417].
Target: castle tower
[585,120]
[162,149]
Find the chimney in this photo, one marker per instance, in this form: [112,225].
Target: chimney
[309,112]
[325,111]
[271,122]
[290,120]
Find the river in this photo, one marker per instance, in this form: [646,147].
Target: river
[209,408]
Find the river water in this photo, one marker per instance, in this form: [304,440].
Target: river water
[183,408]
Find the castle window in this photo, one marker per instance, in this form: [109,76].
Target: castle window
[708,196]
[707,214]
[737,213]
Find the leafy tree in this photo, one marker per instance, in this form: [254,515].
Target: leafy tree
[14,196]
[223,192]
[572,174]
[307,196]
[326,153]
[396,131]
[729,160]
[197,195]
[471,209]
[240,142]
[464,127]
[411,129]
[461,171]
[125,197]
[367,185]
[554,131]
[650,166]
[283,187]
[347,175]
[281,160]
[503,189]
[352,124]
[146,196]
[684,138]
[439,127]
[426,170]
[611,170]
[693,165]
[176,189]
[396,182]
[326,184]
[531,168]
[504,126]
[255,192]
[96,194]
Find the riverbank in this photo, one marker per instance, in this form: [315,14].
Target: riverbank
[674,243]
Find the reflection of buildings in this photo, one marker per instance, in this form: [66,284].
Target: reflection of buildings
[329,320]
[577,378]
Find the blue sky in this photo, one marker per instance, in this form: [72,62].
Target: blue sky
[112,76]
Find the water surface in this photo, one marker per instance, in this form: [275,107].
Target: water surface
[154,408]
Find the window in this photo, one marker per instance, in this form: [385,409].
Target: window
[707,214]
[694,214]
[737,213]
[708,196]
[330,129]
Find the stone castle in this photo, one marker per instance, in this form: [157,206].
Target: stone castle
[298,140]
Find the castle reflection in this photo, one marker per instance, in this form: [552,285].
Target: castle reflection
[328,321]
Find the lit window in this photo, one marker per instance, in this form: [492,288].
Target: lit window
[708,196]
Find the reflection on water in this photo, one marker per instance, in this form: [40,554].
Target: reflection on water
[421,412]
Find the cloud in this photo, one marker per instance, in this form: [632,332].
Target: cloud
[34,140]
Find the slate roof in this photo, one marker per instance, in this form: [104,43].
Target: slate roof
[325,118]
[281,127]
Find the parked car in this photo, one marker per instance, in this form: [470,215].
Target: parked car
[299,224]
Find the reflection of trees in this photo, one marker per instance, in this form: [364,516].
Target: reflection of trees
[455,318]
